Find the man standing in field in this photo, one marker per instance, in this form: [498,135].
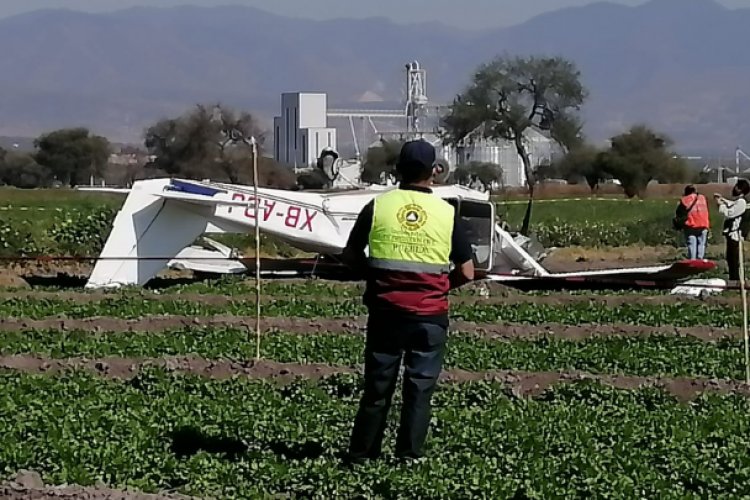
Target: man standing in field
[733,210]
[693,213]
[413,236]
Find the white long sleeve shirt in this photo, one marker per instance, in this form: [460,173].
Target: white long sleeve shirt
[732,210]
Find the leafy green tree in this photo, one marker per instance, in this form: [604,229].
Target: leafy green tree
[485,174]
[508,96]
[546,171]
[314,179]
[206,142]
[72,155]
[381,160]
[701,177]
[20,170]
[323,175]
[638,157]
[580,163]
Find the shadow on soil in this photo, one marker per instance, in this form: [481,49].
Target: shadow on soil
[187,441]
[63,281]
[297,451]
[68,282]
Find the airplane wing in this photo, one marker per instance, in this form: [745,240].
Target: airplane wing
[195,199]
[146,236]
[188,192]
[665,276]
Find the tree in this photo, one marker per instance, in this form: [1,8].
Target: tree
[639,156]
[380,161]
[100,153]
[205,142]
[72,155]
[508,96]
[20,170]
[701,177]
[323,175]
[580,163]
[270,174]
[485,174]
[314,179]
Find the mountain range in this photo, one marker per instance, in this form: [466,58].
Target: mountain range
[680,66]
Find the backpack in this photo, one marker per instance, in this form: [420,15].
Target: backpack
[680,219]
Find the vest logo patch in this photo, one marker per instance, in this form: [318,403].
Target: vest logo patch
[412,217]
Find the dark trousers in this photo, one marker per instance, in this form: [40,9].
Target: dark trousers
[733,259]
[422,347]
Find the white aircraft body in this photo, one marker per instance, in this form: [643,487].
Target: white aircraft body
[161,220]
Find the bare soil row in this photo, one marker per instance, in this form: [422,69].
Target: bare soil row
[29,485]
[357,326]
[520,383]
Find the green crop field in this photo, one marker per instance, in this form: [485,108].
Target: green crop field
[35,222]
[573,395]
[544,395]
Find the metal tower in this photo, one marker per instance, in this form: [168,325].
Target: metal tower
[738,155]
[416,95]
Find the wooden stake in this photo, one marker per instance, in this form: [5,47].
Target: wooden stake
[744,311]
[257,250]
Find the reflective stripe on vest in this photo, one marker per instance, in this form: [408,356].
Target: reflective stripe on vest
[411,231]
[412,267]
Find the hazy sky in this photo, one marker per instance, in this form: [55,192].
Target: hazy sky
[461,13]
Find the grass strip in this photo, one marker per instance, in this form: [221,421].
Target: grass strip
[533,314]
[640,356]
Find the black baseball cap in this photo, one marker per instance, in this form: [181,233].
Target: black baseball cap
[416,157]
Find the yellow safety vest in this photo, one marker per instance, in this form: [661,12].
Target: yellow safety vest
[411,231]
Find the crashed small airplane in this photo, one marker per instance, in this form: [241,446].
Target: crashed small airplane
[161,220]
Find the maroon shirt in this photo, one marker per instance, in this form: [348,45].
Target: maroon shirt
[407,295]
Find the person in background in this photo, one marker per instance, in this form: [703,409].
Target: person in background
[693,209]
[733,210]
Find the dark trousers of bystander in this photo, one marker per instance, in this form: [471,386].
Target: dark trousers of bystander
[422,346]
[733,258]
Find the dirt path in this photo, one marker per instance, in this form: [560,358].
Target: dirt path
[357,325]
[29,485]
[556,299]
[518,382]
[571,259]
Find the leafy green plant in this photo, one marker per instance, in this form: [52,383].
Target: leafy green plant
[250,439]
[642,356]
[131,307]
[231,285]
[562,233]
[16,239]
[82,233]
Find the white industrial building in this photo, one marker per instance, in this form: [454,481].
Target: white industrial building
[541,149]
[302,132]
